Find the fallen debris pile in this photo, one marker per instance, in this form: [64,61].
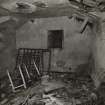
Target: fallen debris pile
[57,92]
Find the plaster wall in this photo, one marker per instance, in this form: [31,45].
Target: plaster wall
[77,47]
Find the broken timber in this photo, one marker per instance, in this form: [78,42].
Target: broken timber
[56,11]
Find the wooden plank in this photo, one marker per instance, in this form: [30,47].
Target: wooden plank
[83,26]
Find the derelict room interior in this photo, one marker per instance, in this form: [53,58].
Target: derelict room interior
[52,52]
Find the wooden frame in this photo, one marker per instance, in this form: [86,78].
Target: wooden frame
[12,83]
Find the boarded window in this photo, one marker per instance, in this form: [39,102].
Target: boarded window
[55,38]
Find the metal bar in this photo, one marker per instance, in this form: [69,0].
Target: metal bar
[49,62]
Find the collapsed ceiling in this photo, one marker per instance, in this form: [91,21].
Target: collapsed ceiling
[83,4]
[48,8]
[30,6]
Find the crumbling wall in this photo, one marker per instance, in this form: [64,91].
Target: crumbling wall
[7,47]
[76,49]
[99,54]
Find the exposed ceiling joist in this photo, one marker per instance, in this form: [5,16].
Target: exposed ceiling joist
[56,11]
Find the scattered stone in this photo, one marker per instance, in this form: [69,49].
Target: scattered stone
[57,92]
[44,79]
[3,102]
[52,86]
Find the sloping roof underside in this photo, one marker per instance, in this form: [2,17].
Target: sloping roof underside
[9,2]
[54,9]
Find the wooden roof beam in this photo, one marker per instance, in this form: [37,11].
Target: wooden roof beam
[57,11]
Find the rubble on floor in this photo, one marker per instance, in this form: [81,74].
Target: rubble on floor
[57,90]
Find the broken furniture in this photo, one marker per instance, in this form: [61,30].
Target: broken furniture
[34,62]
[27,71]
[27,56]
[29,67]
[23,84]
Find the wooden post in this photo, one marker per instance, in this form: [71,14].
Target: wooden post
[83,26]
[27,71]
[36,68]
[13,87]
[23,79]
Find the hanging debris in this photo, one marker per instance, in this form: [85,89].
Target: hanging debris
[40,4]
[101,6]
[21,7]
